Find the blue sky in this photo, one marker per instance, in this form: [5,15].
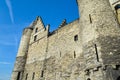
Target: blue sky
[18,14]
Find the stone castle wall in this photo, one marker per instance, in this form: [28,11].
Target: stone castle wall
[85,49]
[54,54]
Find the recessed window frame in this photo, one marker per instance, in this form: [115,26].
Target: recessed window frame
[36,30]
[26,76]
[74,54]
[33,76]
[42,73]
[35,37]
[76,38]
[18,76]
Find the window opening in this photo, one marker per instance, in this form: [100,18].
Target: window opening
[42,73]
[88,79]
[60,54]
[36,30]
[74,54]
[90,18]
[96,51]
[33,76]
[18,76]
[26,76]
[76,38]
[35,37]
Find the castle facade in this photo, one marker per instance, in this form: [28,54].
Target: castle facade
[85,49]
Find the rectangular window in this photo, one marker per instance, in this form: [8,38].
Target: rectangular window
[26,76]
[74,54]
[76,38]
[96,51]
[18,76]
[90,18]
[60,54]
[33,76]
[35,37]
[36,30]
[42,73]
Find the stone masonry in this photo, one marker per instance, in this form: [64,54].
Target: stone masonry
[85,49]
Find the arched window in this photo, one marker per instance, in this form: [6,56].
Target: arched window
[88,79]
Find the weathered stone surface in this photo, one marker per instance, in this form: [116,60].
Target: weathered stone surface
[85,49]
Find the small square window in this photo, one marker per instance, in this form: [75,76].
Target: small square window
[35,37]
[76,38]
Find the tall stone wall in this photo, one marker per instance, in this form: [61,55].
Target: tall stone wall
[56,56]
[85,49]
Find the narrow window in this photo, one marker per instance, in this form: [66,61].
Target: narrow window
[35,37]
[75,37]
[96,51]
[18,76]
[26,76]
[74,54]
[36,30]
[60,54]
[42,73]
[90,18]
[117,67]
[33,76]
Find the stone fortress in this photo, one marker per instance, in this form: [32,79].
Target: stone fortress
[85,49]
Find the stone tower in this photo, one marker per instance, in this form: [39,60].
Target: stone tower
[85,49]
[21,56]
[100,40]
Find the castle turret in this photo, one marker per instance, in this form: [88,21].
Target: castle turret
[21,56]
[100,39]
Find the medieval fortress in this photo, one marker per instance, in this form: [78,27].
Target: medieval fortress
[85,49]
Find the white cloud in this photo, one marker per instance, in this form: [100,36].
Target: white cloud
[8,3]
[5,63]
